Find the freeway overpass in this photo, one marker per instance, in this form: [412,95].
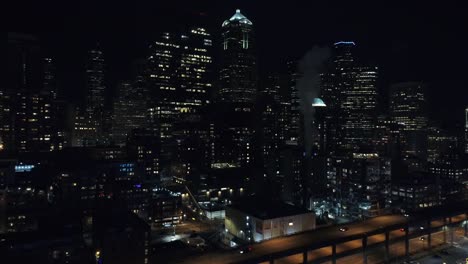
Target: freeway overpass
[330,244]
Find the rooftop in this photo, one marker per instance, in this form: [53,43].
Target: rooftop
[345,43]
[266,209]
[317,102]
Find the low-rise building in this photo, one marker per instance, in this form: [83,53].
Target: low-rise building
[253,219]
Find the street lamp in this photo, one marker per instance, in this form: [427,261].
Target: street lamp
[98,256]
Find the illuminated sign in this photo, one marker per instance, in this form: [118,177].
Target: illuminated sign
[24,168]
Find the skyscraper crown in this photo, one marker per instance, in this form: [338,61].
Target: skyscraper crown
[238,16]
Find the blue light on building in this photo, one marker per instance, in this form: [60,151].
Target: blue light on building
[24,168]
[345,43]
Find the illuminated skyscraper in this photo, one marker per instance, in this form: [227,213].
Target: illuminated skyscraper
[95,104]
[24,63]
[50,83]
[345,73]
[180,81]
[28,120]
[350,92]
[272,88]
[195,69]
[95,82]
[90,121]
[408,105]
[129,109]
[319,126]
[55,127]
[238,74]
[359,106]
[271,127]
[408,109]
[295,112]
[466,130]
[6,126]
[162,72]
[32,121]
[337,89]
[84,129]
[331,95]
[355,172]
[232,127]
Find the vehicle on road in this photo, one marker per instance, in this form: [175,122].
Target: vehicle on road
[344,229]
[245,249]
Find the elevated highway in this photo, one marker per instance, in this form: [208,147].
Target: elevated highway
[330,244]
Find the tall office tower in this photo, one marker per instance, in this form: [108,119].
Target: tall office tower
[6,125]
[129,110]
[291,173]
[57,123]
[50,82]
[270,136]
[386,136]
[337,92]
[295,112]
[359,105]
[162,70]
[84,128]
[319,128]
[195,71]
[331,95]
[466,130]
[180,79]
[3,119]
[271,88]
[450,170]
[23,75]
[196,82]
[344,70]
[439,142]
[317,182]
[88,120]
[95,101]
[273,131]
[24,63]
[28,105]
[292,162]
[408,108]
[32,121]
[238,74]
[233,117]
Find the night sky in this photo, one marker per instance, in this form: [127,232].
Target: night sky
[426,41]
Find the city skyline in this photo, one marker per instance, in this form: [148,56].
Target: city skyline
[399,42]
[210,133]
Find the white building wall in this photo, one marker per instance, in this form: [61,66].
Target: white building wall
[243,226]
